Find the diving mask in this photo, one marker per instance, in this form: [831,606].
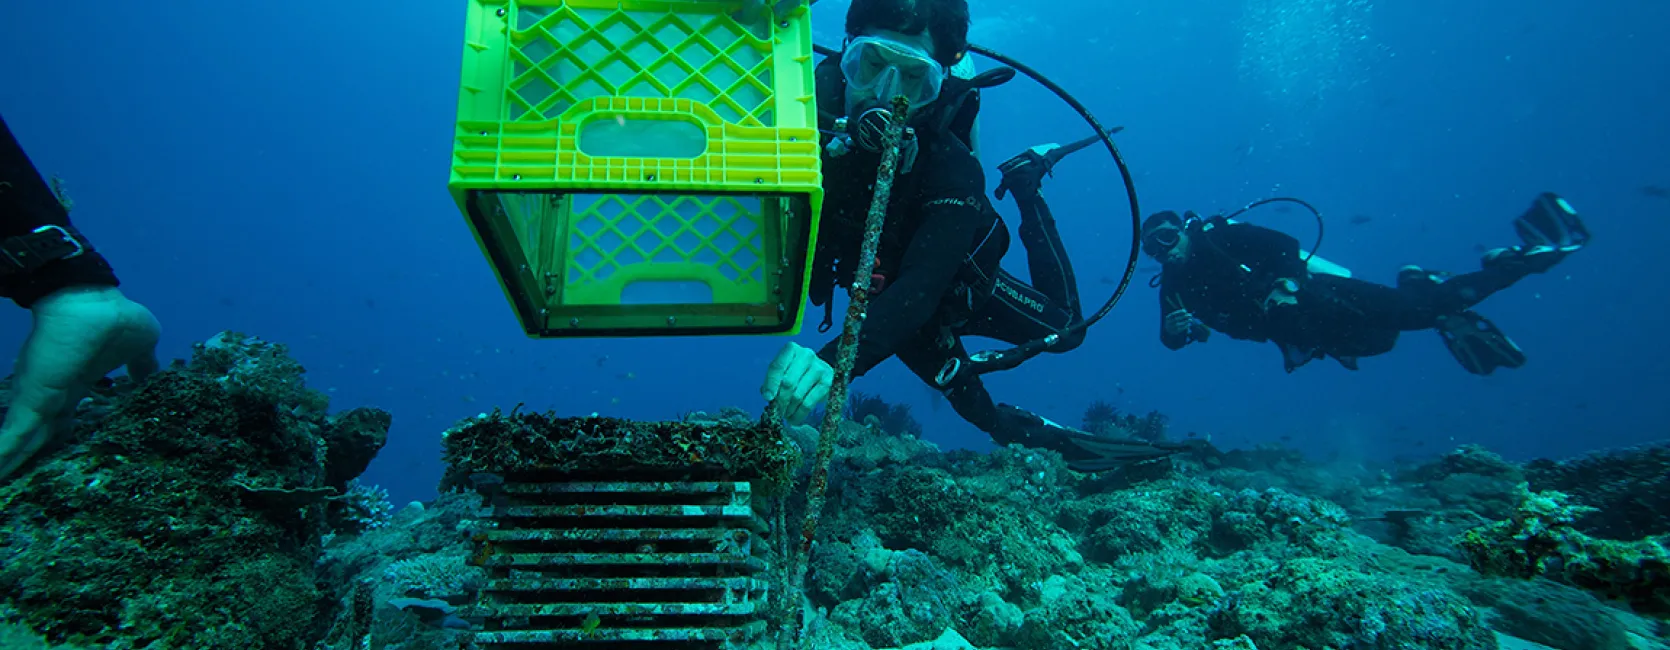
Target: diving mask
[1160,240]
[879,69]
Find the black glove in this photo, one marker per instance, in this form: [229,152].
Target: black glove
[1024,174]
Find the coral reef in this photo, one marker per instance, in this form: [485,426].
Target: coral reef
[1540,539]
[1105,419]
[1554,615]
[217,505]
[873,410]
[411,573]
[1629,490]
[1236,550]
[1316,603]
[187,511]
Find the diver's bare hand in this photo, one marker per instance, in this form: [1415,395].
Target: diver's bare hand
[797,382]
[1183,323]
[80,335]
[1179,322]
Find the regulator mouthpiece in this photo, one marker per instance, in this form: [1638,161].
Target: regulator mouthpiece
[868,129]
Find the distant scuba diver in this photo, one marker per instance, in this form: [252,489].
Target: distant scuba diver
[1253,283]
[937,275]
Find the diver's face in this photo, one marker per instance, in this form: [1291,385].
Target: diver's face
[1167,244]
[876,74]
[1178,253]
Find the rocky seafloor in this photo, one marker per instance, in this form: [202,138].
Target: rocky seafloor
[216,506]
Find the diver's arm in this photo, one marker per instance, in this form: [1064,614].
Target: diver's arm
[1170,301]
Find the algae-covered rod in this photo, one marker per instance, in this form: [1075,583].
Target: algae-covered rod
[847,350]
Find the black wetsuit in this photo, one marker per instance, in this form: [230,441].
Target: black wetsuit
[36,264]
[938,267]
[1231,269]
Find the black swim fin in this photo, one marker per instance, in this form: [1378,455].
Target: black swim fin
[1084,452]
[1552,222]
[1477,344]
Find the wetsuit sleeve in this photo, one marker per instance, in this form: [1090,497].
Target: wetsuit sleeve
[951,211]
[27,203]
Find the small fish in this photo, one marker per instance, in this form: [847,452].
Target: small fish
[1283,208]
[1360,219]
[1655,191]
[589,626]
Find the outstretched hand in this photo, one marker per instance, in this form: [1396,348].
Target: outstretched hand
[80,335]
[797,382]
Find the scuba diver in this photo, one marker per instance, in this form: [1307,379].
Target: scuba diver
[1254,283]
[937,276]
[83,326]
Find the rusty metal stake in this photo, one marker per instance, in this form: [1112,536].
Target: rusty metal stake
[847,351]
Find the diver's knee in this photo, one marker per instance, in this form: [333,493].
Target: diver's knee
[968,397]
[1003,437]
[1009,426]
[1068,340]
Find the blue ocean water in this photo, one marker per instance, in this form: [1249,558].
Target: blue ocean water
[279,170]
